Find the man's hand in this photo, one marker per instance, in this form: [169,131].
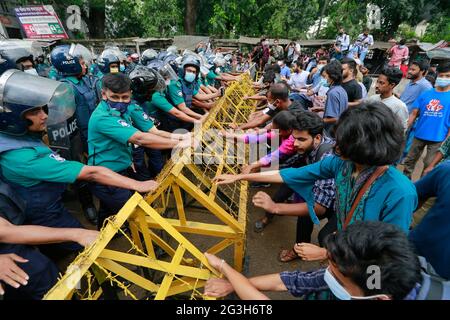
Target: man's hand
[218,288]
[86,237]
[147,186]
[226,179]
[10,273]
[310,252]
[264,201]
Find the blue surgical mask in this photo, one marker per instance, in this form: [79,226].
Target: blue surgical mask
[189,77]
[122,68]
[339,291]
[442,82]
[122,107]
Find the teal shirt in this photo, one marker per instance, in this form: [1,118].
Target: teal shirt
[159,102]
[31,166]
[175,92]
[392,197]
[109,132]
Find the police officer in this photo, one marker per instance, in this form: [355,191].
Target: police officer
[108,62]
[148,56]
[72,68]
[181,92]
[148,87]
[31,168]
[18,56]
[114,127]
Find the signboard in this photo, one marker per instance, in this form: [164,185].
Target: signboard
[40,22]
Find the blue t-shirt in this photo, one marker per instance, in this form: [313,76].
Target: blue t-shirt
[337,102]
[392,197]
[413,90]
[285,72]
[434,115]
[432,236]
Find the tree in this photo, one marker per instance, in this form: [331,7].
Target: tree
[190,16]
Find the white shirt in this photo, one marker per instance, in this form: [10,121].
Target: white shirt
[396,105]
[298,80]
[366,41]
[343,42]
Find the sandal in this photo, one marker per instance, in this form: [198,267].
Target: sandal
[287,255]
[261,224]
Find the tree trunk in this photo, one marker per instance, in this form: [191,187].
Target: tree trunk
[96,22]
[190,17]
[322,12]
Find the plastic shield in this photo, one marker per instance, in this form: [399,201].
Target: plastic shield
[167,72]
[12,50]
[26,89]
[78,50]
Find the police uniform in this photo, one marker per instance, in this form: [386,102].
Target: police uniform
[39,176]
[180,91]
[86,101]
[108,135]
[155,158]
[53,73]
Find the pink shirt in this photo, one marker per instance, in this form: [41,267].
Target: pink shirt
[397,55]
[286,147]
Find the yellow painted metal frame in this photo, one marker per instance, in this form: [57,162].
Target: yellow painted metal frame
[147,215]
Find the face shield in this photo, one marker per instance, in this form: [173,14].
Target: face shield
[12,50]
[168,73]
[78,50]
[24,89]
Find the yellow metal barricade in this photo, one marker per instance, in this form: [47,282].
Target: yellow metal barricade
[161,221]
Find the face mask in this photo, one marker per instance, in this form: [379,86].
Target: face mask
[339,291]
[324,83]
[280,63]
[320,67]
[122,107]
[401,46]
[442,82]
[114,70]
[122,68]
[31,71]
[189,77]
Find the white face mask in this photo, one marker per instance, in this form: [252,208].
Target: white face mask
[339,291]
[31,71]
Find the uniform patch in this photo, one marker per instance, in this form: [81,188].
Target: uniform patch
[180,93]
[57,157]
[145,116]
[123,123]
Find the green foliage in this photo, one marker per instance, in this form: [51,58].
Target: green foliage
[438,30]
[273,18]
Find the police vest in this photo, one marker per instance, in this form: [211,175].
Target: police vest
[12,206]
[86,101]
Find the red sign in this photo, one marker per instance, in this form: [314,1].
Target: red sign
[40,22]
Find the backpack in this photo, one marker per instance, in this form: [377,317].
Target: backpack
[434,287]
[12,207]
